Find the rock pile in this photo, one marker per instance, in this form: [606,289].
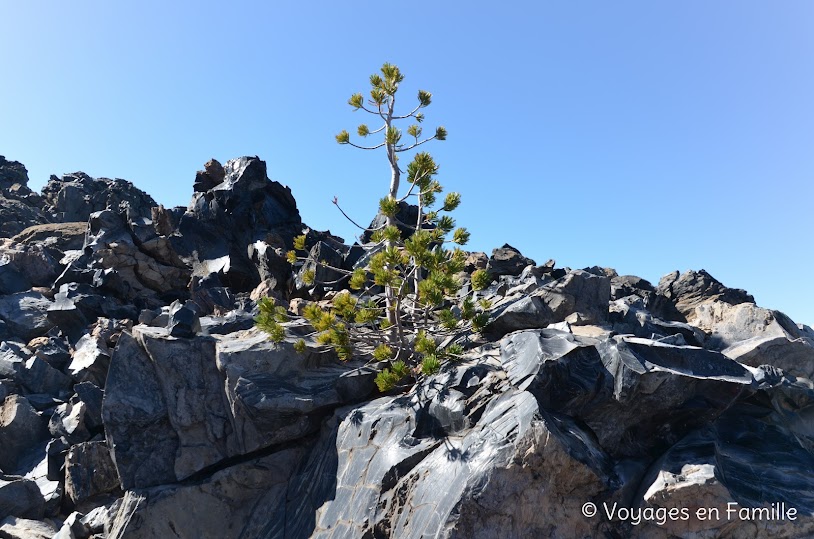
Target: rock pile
[138,401]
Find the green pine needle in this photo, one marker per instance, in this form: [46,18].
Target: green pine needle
[308,276]
[480,279]
[388,206]
[479,322]
[461,236]
[430,365]
[382,353]
[424,97]
[358,279]
[355,101]
[452,201]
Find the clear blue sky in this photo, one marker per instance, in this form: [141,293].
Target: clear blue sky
[645,136]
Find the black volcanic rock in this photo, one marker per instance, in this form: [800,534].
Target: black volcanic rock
[73,197]
[584,386]
[19,206]
[507,260]
[16,216]
[688,290]
[11,173]
[220,224]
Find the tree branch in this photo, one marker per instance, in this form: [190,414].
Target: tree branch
[365,147]
[415,145]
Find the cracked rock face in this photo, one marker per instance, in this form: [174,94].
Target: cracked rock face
[175,406]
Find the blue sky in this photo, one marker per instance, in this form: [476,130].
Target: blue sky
[644,136]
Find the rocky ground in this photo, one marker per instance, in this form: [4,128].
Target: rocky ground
[138,401]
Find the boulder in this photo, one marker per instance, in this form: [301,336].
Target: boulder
[90,396]
[26,266]
[73,528]
[630,285]
[137,274]
[756,336]
[476,261]
[271,264]
[75,304]
[33,374]
[20,497]
[686,291]
[183,320]
[322,258]
[52,350]
[406,218]
[578,297]
[277,394]
[55,452]
[89,471]
[68,421]
[638,396]
[39,377]
[212,175]
[627,318]
[723,470]
[100,519]
[507,260]
[136,419]
[50,489]
[21,429]
[11,173]
[25,314]
[17,215]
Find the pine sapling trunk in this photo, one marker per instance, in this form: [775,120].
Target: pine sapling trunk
[389,292]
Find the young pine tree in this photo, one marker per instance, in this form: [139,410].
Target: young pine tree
[419,306]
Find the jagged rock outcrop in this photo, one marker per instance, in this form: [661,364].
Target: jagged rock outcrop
[137,399]
[220,224]
[74,197]
[20,207]
[690,289]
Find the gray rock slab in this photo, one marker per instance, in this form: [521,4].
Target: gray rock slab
[210,399]
[25,314]
[21,429]
[136,419]
[219,507]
